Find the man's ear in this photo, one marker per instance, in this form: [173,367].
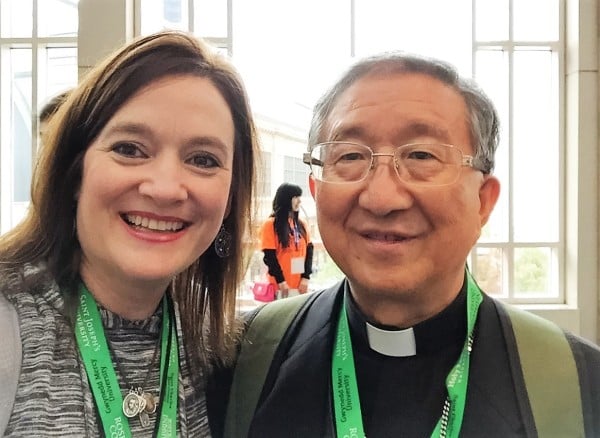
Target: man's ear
[488,196]
[311,185]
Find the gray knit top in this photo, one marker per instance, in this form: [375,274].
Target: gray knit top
[53,395]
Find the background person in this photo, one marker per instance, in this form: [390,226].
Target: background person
[119,286]
[285,242]
[48,110]
[401,151]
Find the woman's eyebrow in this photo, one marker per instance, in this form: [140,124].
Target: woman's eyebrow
[145,130]
[129,128]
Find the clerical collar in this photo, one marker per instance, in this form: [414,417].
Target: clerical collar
[398,343]
[445,328]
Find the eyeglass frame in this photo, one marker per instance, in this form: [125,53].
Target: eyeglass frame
[467,160]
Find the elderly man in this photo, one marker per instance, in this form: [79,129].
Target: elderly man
[401,153]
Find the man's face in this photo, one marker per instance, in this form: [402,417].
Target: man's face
[391,239]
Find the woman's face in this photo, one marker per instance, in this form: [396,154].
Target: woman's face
[156,183]
[296,203]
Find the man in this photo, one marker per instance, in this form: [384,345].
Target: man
[401,151]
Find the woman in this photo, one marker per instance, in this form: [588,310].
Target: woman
[285,241]
[123,274]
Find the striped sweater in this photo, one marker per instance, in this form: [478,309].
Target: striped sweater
[54,398]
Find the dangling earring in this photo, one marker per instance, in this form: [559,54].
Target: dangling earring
[223,242]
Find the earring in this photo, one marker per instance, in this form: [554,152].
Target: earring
[223,242]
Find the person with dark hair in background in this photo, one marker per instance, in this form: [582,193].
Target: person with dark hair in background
[401,151]
[286,244]
[48,110]
[118,289]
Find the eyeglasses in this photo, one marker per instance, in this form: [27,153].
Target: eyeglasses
[416,164]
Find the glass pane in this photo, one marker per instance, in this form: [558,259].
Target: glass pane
[491,73]
[20,62]
[491,20]
[61,69]
[164,14]
[488,272]
[57,73]
[411,26]
[286,66]
[58,17]
[296,172]
[16,18]
[325,272]
[535,149]
[210,18]
[535,20]
[532,272]
[264,180]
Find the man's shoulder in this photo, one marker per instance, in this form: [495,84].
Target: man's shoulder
[589,350]
[543,325]
[304,316]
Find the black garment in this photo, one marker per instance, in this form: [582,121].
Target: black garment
[404,396]
[270,259]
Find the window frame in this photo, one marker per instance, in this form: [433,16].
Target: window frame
[37,46]
[556,296]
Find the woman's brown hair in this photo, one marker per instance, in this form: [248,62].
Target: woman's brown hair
[205,292]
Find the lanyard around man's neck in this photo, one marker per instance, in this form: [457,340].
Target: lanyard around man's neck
[103,379]
[346,400]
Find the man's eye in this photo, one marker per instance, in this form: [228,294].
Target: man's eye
[128,150]
[420,155]
[204,161]
[352,156]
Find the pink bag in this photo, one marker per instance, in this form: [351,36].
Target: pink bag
[264,291]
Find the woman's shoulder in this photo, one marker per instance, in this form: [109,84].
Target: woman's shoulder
[31,286]
[24,277]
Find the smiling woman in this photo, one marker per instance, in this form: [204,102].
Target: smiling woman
[123,274]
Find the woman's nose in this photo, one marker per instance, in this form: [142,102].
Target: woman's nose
[164,182]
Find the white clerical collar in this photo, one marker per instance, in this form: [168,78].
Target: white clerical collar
[397,343]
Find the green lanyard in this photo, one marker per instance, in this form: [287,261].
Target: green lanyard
[103,379]
[348,417]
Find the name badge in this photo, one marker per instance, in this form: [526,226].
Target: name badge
[298,265]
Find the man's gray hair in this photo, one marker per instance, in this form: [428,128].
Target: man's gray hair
[483,123]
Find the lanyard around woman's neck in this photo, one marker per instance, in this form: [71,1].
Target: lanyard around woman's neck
[294,230]
[348,417]
[103,379]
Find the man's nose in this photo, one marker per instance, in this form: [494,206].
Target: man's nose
[383,190]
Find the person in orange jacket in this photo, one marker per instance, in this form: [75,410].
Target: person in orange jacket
[285,242]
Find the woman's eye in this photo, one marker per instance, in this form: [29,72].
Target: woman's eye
[206,161]
[128,150]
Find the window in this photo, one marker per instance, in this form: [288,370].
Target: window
[38,53]
[296,172]
[518,62]
[290,52]
[536,58]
